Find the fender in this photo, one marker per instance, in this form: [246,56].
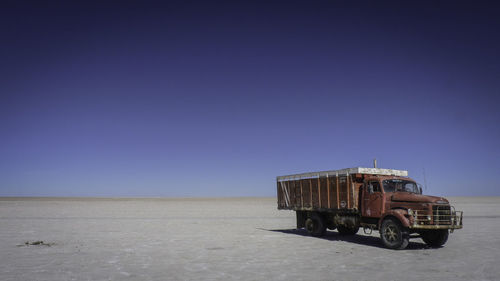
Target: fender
[399,214]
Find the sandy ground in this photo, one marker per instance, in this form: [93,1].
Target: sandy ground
[224,239]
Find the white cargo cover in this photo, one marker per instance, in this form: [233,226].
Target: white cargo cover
[348,171]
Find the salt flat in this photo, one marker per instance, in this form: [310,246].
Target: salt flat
[224,239]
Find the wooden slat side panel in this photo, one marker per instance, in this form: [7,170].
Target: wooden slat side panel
[337,188]
[315,193]
[301,193]
[319,192]
[288,187]
[297,193]
[349,191]
[333,192]
[290,192]
[306,193]
[343,192]
[284,191]
[280,195]
[324,192]
[287,194]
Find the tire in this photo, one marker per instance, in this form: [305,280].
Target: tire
[315,225]
[344,230]
[394,235]
[435,238]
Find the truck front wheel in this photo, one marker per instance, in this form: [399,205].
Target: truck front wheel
[435,238]
[393,234]
[315,225]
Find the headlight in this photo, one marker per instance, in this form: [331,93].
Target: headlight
[429,218]
[410,212]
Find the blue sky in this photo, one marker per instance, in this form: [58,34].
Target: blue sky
[118,98]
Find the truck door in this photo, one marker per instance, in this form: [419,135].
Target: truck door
[372,199]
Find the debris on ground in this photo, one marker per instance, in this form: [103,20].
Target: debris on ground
[36,243]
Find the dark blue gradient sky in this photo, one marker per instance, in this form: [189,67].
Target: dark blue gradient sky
[116,98]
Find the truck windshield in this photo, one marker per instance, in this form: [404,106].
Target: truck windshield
[396,185]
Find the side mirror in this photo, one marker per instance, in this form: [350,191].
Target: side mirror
[420,190]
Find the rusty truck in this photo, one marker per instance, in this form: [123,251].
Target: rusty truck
[384,200]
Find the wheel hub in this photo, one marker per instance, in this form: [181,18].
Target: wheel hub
[391,233]
[309,226]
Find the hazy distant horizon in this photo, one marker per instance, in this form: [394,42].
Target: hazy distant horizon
[104,198]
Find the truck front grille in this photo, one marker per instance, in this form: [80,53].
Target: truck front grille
[441,214]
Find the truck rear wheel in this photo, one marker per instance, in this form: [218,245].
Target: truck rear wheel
[435,238]
[344,230]
[315,225]
[393,234]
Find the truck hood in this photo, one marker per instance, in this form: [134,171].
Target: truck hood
[412,197]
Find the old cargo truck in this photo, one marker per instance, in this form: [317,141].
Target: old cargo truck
[385,200]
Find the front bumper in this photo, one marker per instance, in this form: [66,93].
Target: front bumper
[451,220]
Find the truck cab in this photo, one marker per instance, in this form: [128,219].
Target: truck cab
[397,208]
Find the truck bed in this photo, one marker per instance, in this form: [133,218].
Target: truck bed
[325,190]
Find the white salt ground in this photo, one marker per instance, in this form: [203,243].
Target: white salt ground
[224,239]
